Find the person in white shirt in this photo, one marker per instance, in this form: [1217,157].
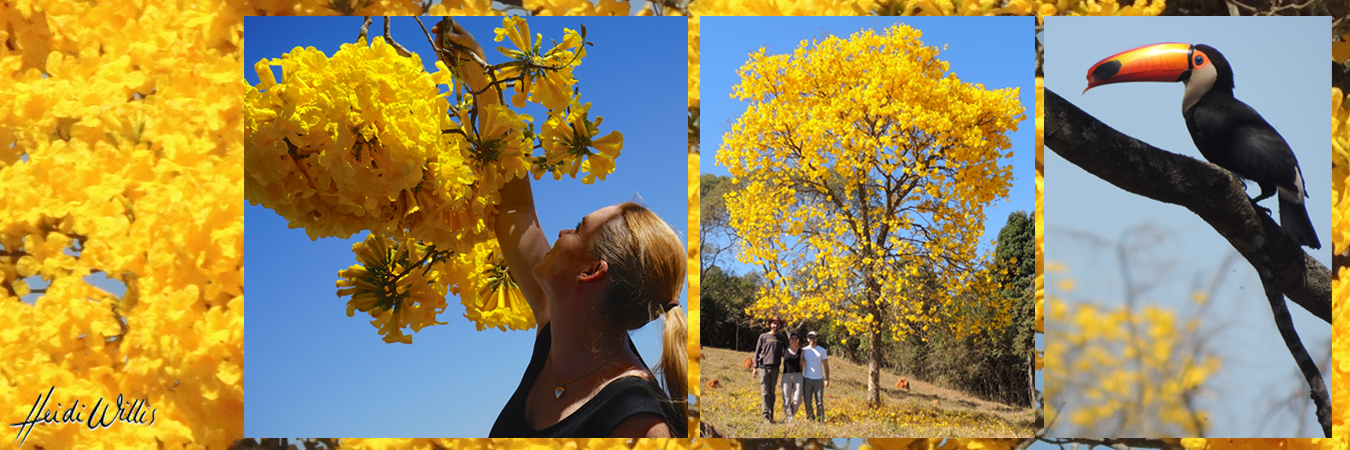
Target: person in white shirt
[816,377]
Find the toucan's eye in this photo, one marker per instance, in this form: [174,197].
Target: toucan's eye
[1199,60]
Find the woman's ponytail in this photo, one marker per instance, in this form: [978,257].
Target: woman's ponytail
[674,365]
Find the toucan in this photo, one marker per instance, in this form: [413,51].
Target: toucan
[1228,133]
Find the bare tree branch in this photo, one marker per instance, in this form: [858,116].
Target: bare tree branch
[365,28]
[1285,324]
[1219,198]
[1212,193]
[399,48]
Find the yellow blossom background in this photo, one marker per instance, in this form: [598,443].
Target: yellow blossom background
[103,134]
[121,225]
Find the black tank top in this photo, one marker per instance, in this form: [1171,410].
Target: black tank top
[616,402]
[792,363]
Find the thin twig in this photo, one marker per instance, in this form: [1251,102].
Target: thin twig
[431,41]
[365,28]
[399,48]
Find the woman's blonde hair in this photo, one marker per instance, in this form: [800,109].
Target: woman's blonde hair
[647,269]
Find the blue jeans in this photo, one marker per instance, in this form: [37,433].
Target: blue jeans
[792,394]
[815,397]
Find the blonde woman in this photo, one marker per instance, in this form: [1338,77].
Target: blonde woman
[792,378]
[618,269]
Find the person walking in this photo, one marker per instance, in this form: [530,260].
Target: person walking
[792,378]
[816,377]
[768,353]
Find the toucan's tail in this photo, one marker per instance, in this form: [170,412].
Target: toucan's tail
[1297,226]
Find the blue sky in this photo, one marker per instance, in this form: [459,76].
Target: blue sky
[978,49]
[1280,70]
[313,371]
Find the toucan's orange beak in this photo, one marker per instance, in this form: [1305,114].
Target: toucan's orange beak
[1167,62]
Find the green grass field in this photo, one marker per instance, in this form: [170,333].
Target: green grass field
[924,410]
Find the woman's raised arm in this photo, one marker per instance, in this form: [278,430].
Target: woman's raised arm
[523,242]
[517,226]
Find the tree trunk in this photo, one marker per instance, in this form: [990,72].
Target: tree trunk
[874,370]
[873,295]
[1031,380]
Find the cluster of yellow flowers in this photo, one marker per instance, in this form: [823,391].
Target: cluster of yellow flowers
[342,137]
[1340,167]
[365,141]
[116,162]
[1340,287]
[1260,444]
[695,406]
[1130,368]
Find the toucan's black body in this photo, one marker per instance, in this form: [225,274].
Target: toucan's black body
[1228,132]
[1234,136]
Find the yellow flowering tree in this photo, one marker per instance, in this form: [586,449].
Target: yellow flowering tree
[365,140]
[121,229]
[865,167]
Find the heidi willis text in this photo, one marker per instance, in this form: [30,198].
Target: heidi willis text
[134,412]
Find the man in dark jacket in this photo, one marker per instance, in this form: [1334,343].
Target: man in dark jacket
[768,354]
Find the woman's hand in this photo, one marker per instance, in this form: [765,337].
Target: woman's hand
[455,39]
[464,57]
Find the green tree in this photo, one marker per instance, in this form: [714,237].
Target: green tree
[724,297]
[1016,254]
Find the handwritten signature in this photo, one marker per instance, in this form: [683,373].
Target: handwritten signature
[127,411]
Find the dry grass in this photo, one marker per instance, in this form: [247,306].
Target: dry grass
[733,407]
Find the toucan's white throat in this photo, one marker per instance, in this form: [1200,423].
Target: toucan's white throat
[1201,80]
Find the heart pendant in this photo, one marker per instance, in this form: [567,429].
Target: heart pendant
[557,392]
